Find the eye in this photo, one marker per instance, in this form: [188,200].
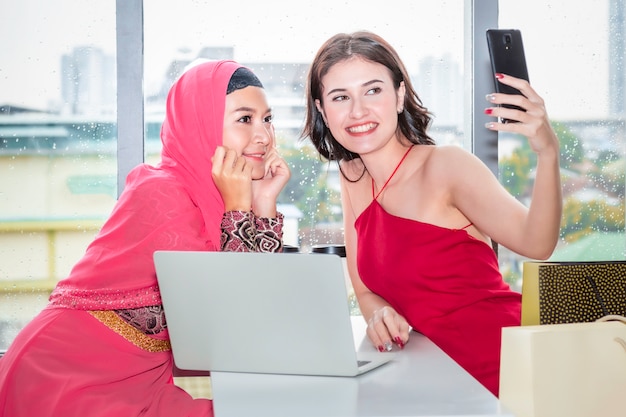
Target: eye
[373,91]
[268,118]
[244,119]
[340,98]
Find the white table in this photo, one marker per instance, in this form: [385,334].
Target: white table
[421,381]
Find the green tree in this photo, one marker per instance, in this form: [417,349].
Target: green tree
[515,170]
[571,148]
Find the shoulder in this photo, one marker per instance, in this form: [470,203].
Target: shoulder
[450,160]
[448,153]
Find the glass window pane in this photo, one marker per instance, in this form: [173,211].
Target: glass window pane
[278,39]
[57,145]
[575,56]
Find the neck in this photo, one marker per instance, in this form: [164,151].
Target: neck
[377,187]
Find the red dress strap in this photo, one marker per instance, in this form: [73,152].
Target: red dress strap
[391,176]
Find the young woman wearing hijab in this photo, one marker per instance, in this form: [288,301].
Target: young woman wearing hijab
[101,348]
[419,218]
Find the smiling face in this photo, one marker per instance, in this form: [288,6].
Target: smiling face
[248,127]
[360,104]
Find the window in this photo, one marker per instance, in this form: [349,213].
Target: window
[575,56]
[57,145]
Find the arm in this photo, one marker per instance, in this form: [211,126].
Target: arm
[384,324]
[532,232]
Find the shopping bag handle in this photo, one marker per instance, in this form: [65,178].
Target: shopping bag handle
[613,317]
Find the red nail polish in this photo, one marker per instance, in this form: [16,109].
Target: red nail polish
[381,348]
[499,75]
[399,342]
[488,110]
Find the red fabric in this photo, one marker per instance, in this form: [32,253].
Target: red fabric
[444,282]
[65,362]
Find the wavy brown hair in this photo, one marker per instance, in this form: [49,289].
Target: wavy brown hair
[414,120]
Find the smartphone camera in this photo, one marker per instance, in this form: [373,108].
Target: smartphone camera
[507,41]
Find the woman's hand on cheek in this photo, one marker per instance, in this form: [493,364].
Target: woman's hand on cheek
[265,190]
[233,179]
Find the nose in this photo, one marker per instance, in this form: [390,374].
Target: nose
[358,109]
[263,133]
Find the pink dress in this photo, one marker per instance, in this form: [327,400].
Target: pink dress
[444,282]
[101,346]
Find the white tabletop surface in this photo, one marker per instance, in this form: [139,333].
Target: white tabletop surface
[420,381]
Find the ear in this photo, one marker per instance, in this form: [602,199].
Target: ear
[318,104]
[400,99]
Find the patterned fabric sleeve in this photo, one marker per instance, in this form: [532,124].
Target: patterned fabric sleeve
[242,231]
[269,233]
[238,232]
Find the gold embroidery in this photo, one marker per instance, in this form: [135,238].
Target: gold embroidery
[130,333]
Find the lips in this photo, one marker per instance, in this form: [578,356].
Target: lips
[259,155]
[362,128]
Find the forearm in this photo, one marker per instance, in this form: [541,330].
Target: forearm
[264,206]
[546,207]
[369,303]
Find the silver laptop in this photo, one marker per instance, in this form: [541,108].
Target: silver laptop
[277,313]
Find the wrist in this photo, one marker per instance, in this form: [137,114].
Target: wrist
[265,209]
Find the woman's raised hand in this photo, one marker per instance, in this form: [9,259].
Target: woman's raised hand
[532,123]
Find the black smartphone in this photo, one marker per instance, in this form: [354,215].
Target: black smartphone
[506,52]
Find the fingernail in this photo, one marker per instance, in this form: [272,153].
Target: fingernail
[499,75]
[381,348]
[490,97]
[399,342]
[388,346]
[489,125]
[488,110]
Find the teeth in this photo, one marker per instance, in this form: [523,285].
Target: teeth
[362,128]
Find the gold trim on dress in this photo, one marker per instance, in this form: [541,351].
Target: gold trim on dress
[130,333]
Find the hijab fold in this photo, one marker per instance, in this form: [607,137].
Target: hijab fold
[173,206]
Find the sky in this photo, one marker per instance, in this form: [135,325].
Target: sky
[565,42]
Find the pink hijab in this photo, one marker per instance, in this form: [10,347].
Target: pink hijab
[173,206]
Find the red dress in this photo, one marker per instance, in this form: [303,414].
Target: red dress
[444,282]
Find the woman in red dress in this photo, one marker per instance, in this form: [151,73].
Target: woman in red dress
[419,218]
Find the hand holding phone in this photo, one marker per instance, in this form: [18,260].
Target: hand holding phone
[506,52]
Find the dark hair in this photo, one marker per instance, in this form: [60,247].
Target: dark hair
[412,122]
[242,78]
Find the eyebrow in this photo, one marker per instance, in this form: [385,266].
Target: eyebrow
[250,109]
[365,84]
